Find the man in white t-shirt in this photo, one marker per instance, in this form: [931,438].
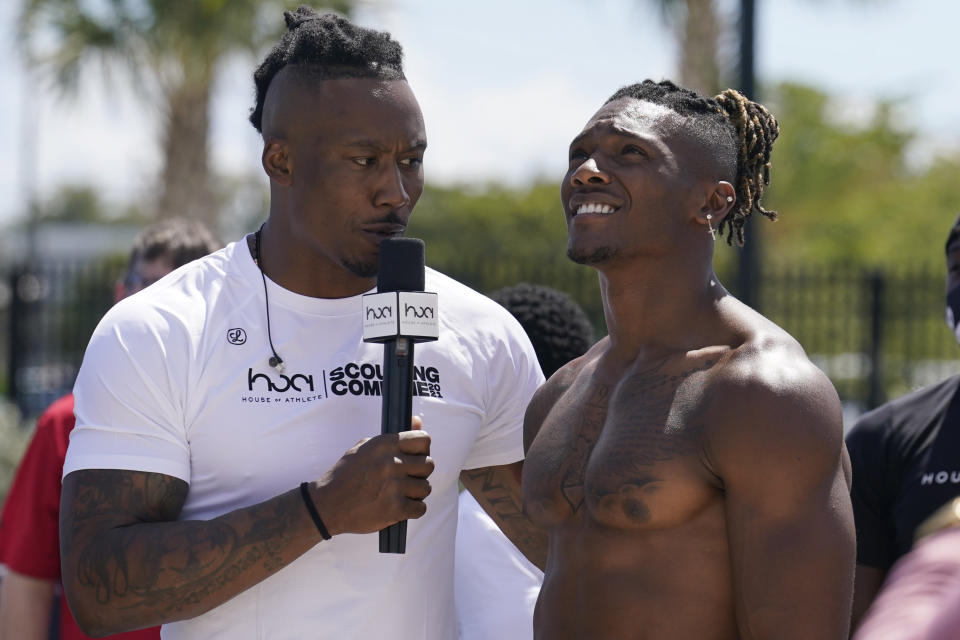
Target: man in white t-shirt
[206,486]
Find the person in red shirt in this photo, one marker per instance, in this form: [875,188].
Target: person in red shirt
[29,535]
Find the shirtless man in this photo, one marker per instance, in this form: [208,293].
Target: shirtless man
[690,468]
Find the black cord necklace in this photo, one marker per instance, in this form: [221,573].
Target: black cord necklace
[275,360]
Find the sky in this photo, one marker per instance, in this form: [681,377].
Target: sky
[504,86]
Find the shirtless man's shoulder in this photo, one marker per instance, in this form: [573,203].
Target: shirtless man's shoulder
[768,397]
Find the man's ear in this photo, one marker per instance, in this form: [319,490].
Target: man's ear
[277,162]
[718,203]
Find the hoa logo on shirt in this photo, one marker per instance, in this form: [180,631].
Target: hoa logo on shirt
[279,383]
[366,379]
[275,388]
[236,336]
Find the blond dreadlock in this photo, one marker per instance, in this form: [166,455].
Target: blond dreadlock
[756,130]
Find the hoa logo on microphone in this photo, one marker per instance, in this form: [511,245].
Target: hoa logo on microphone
[410,314]
[418,311]
[379,313]
[419,320]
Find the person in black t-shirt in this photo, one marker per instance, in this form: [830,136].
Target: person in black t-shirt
[906,462]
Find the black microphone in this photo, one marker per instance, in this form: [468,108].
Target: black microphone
[398,315]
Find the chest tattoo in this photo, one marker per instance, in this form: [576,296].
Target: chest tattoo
[588,429]
[654,419]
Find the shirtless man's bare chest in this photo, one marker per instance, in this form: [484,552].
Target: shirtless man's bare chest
[623,445]
[620,456]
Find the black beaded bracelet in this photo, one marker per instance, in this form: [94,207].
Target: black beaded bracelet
[312,508]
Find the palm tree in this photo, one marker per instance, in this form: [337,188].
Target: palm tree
[172,50]
[698,26]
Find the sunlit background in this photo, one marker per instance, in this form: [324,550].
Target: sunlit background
[118,112]
[503,85]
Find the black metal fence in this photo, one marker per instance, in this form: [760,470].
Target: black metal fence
[47,314]
[876,334]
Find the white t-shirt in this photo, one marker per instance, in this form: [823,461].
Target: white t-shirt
[175,380]
[496,586]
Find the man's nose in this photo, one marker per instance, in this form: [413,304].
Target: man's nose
[392,191]
[589,173]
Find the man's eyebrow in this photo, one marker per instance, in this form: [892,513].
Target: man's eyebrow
[363,143]
[577,140]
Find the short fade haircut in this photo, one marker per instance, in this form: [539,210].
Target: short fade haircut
[178,239]
[740,131]
[558,327]
[327,46]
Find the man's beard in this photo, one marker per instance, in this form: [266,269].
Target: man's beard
[369,268]
[360,269]
[592,256]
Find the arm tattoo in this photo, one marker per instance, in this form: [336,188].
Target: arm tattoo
[497,489]
[494,493]
[127,556]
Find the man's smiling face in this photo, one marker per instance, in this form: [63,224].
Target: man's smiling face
[629,182]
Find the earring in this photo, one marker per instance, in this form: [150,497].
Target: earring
[729,198]
[710,228]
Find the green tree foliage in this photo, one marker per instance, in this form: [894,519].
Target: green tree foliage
[846,192]
[461,223]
